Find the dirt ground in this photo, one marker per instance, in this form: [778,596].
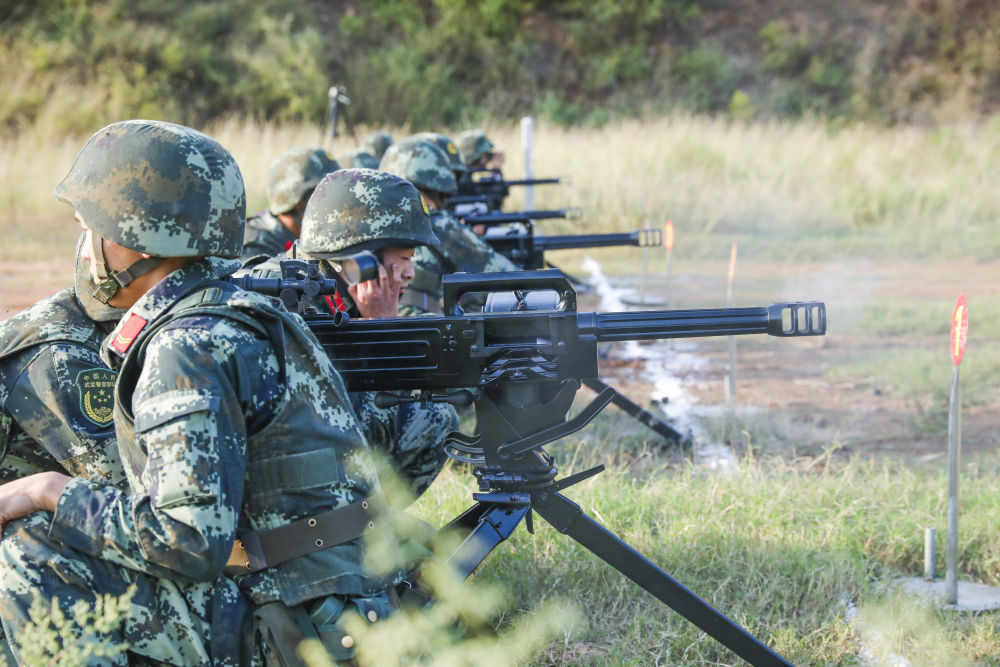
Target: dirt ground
[784,382]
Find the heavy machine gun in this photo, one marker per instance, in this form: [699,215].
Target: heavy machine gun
[485,190]
[509,217]
[527,249]
[525,356]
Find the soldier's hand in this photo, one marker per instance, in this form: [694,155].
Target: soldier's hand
[31,494]
[379,297]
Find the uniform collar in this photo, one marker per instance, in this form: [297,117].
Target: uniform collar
[159,298]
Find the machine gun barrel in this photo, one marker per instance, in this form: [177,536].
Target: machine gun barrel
[641,238]
[532,181]
[779,319]
[503,218]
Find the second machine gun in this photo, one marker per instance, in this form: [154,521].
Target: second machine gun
[484,190]
[526,356]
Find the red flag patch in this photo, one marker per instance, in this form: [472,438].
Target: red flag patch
[126,335]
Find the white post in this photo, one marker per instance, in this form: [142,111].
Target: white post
[528,145]
[954,449]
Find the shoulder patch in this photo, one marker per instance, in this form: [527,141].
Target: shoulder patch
[127,333]
[97,391]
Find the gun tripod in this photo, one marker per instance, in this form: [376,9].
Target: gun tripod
[517,478]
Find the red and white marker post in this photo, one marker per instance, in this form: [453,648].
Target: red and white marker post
[731,380]
[959,337]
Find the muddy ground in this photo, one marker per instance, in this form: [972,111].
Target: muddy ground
[783,386]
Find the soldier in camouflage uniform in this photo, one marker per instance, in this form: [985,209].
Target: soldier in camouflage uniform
[428,167]
[55,392]
[376,143]
[477,150]
[290,180]
[56,395]
[359,158]
[363,209]
[231,423]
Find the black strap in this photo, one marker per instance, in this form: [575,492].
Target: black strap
[253,551]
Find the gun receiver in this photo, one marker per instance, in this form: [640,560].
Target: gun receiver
[505,218]
[528,250]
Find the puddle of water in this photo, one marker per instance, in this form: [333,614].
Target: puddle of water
[663,364]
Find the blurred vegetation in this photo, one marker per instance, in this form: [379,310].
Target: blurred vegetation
[71,65]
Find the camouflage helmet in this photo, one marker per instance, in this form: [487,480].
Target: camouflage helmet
[294,174]
[158,188]
[359,158]
[474,144]
[364,209]
[422,163]
[377,142]
[445,143]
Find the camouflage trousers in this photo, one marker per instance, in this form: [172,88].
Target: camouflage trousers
[411,435]
[175,623]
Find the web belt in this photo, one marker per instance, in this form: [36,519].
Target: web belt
[253,551]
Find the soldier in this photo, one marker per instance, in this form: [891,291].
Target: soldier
[429,169]
[359,158]
[477,150]
[56,395]
[363,209]
[55,392]
[231,422]
[376,143]
[290,180]
[458,166]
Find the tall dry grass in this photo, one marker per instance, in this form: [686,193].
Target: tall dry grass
[795,190]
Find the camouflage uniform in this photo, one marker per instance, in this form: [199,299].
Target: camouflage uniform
[230,421]
[430,169]
[55,392]
[266,235]
[290,179]
[410,434]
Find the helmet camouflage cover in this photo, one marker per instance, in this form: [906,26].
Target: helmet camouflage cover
[158,188]
[473,144]
[422,163]
[359,158]
[294,174]
[377,142]
[364,209]
[445,143]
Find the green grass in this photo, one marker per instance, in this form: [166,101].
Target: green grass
[779,548]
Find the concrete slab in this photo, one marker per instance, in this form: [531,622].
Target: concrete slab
[971,597]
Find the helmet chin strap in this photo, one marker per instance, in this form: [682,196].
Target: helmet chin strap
[110,282]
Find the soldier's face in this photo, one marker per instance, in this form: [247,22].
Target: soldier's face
[403,259]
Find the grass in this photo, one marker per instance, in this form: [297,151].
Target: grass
[798,555]
[799,191]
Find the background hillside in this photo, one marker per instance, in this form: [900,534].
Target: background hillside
[71,65]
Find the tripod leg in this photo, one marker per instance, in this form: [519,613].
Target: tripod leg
[486,525]
[644,416]
[567,517]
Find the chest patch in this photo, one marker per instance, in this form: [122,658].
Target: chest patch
[97,391]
